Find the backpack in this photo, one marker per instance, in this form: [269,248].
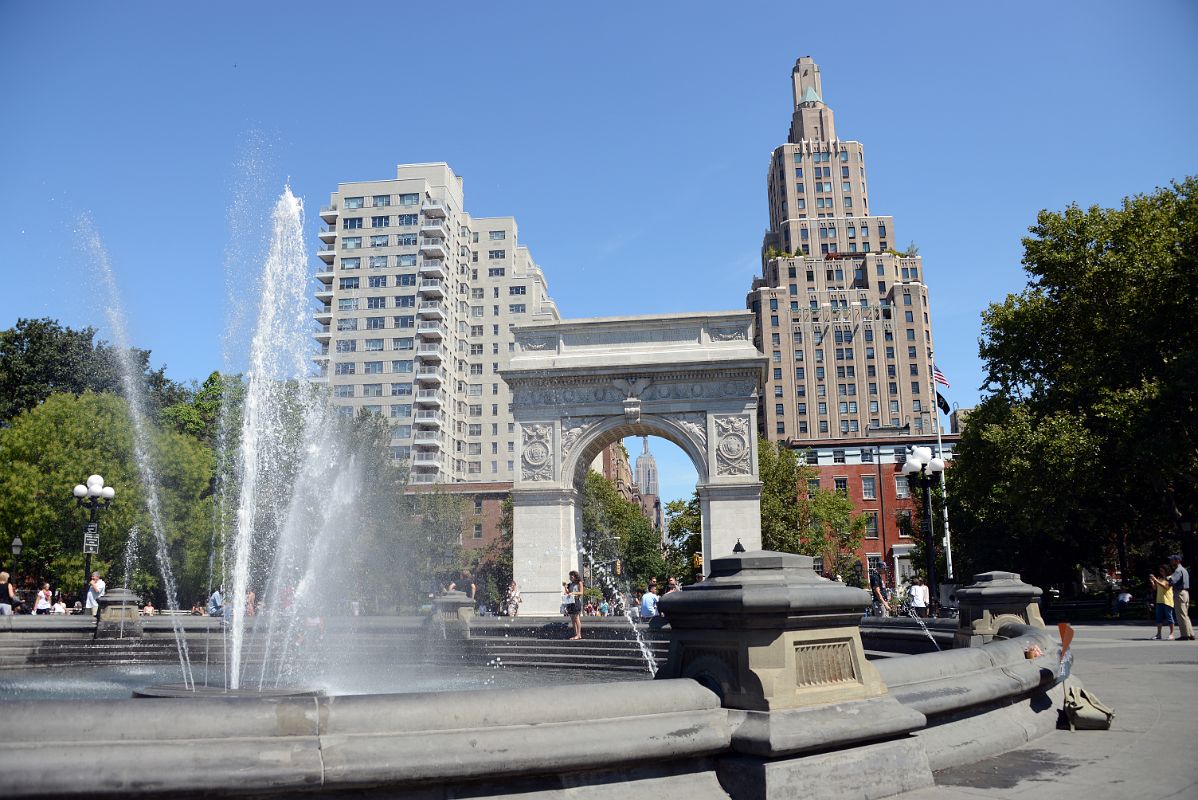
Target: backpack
[1085,711]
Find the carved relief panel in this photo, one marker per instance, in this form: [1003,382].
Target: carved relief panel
[536,459]
[734,445]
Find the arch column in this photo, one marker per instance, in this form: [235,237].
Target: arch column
[544,545]
[731,511]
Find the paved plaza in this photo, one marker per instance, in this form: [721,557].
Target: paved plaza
[1149,753]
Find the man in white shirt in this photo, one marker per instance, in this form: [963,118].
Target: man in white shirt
[1180,581]
[95,590]
[649,603]
[919,597]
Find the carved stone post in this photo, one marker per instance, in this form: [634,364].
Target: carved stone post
[118,616]
[991,601]
[781,646]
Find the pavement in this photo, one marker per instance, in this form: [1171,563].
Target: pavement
[1148,754]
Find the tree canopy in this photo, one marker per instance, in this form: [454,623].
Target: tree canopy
[1085,450]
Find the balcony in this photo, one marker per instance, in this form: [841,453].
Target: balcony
[426,458]
[323,334]
[430,375]
[328,235]
[434,247]
[430,352]
[432,309]
[434,208]
[428,419]
[324,276]
[434,330]
[325,294]
[428,438]
[324,316]
[326,252]
[434,269]
[434,227]
[431,287]
[329,214]
[423,477]
[430,397]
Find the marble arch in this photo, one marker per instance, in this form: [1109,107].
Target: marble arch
[578,385]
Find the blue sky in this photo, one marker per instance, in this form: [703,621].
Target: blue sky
[630,140]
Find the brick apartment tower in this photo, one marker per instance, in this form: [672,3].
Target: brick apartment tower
[844,319]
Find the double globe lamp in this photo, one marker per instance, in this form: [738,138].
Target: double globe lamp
[92,496]
[923,470]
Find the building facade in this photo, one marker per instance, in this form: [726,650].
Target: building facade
[843,317]
[417,300]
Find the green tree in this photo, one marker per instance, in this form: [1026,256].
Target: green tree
[52,447]
[1085,450]
[613,527]
[39,357]
[784,511]
[199,414]
[684,531]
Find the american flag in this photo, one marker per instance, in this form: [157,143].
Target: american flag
[938,376]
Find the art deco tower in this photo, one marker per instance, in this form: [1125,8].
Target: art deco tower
[841,314]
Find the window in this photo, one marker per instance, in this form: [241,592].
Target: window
[517,290]
[405,261]
[375,302]
[380,241]
[380,222]
[381,200]
[409,199]
[351,263]
[497,236]
[347,304]
[516,308]
[405,301]
[496,254]
[871,524]
[838,456]
[403,343]
[344,368]
[401,390]
[376,282]
[496,272]
[343,390]
[812,483]
[841,485]
[902,488]
[351,243]
[869,486]
[372,389]
[401,410]
[405,322]
[353,202]
[347,324]
[347,345]
[375,323]
[348,283]
[351,223]
[372,368]
[374,344]
[401,367]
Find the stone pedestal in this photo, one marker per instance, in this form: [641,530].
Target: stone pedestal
[991,601]
[452,612]
[545,547]
[118,616]
[781,647]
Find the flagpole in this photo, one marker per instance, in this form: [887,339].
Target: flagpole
[948,541]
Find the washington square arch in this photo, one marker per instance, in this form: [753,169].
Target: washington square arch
[579,385]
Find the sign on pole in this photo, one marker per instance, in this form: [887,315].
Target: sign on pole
[91,538]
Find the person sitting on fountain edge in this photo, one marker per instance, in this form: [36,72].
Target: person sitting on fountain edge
[215,602]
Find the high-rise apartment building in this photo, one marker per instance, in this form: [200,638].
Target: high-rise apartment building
[841,314]
[417,302]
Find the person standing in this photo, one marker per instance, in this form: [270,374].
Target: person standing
[574,606]
[8,597]
[919,597]
[513,600]
[1180,581]
[95,590]
[45,600]
[649,602]
[1164,600]
[877,586]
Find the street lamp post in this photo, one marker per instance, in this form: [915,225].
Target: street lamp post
[923,471]
[17,544]
[93,496]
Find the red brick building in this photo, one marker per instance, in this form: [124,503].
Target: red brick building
[869,470]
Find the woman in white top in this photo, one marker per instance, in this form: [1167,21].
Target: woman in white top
[43,603]
[919,597]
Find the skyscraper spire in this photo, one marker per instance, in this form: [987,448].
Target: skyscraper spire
[646,470]
[812,119]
